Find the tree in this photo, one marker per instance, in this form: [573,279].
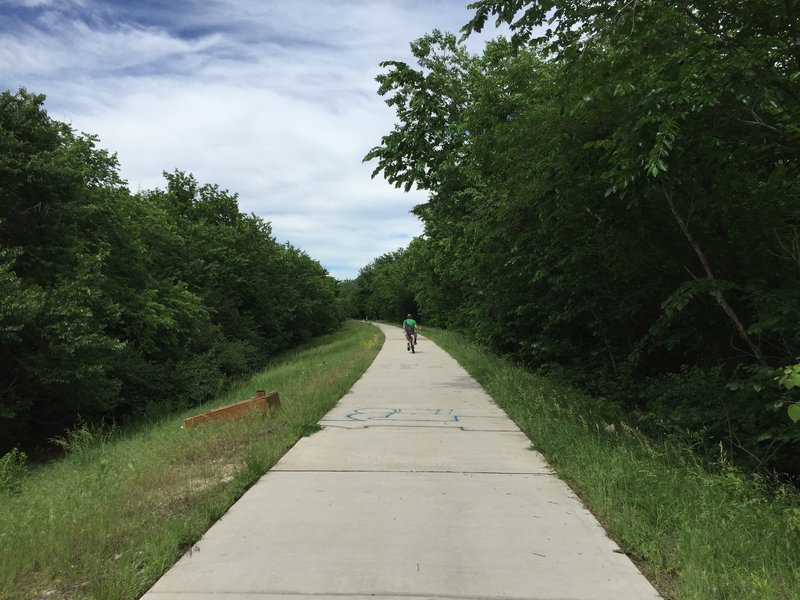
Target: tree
[56,188]
[385,289]
[619,199]
[700,82]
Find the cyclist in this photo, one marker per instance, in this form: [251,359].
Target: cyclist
[410,328]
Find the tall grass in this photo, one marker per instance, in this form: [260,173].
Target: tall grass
[109,519]
[698,531]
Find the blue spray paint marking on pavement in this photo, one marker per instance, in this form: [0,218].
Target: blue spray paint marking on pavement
[398,414]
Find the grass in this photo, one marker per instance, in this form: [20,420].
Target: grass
[699,532]
[108,520]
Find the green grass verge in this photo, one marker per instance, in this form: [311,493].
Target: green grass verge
[108,520]
[697,532]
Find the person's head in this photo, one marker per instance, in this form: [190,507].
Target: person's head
[408,315]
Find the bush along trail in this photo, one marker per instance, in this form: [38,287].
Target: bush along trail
[106,521]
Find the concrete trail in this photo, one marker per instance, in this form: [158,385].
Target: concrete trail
[418,487]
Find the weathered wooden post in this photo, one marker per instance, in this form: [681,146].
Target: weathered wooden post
[262,400]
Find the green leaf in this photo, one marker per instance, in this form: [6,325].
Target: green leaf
[791,377]
[794,412]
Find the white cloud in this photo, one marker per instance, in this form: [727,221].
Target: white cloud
[275,101]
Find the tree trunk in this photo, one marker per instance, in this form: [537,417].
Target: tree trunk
[717,294]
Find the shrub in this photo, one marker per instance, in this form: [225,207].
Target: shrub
[12,470]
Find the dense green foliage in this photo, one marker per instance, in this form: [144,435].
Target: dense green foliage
[618,196]
[383,289]
[113,304]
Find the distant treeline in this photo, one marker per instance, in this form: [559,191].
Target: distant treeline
[115,304]
[619,201]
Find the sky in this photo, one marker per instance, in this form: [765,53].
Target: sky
[273,100]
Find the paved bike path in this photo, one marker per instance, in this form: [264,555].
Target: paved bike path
[418,487]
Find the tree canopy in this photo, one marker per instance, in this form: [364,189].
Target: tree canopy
[115,304]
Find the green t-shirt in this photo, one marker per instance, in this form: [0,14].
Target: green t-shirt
[410,323]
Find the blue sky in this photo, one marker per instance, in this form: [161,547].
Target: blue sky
[274,100]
